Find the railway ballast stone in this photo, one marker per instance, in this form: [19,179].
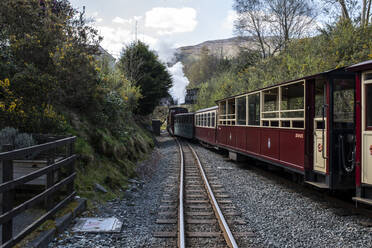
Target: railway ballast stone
[100,188]
[285,214]
[137,210]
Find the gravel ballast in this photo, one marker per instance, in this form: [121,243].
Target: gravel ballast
[137,210]
[281,214]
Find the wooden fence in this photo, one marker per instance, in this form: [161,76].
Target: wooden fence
[60,157]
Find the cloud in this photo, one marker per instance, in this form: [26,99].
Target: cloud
[165,50]
[94,17]
[115,38]
[121,20]
[228,22]
[171,20]
[94,14]
[179,82]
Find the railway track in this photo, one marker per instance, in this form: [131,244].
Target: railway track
[198,209]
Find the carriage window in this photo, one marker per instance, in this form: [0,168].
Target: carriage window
[208,119]
[298,124]
[271,103]
[369,105]
[320,95]
[343,102]
[231,112]
[275,123]
[254,109]
[368,76]
[213,119]
[241,103]
[222,111]
[286,124]
[292,101]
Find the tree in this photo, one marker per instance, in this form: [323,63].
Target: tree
[349,10]
[253,22]
[273,23]
[207,66]
[45,41]
[47,51]
[366,12]
[142,67]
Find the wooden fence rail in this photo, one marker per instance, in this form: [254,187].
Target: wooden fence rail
[52,185]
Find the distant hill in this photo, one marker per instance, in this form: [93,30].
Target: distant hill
[226,47]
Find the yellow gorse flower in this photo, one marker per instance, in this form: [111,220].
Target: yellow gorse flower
[5,83]
[12,106]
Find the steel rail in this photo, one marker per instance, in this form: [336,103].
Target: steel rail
[219,215]
[181,221]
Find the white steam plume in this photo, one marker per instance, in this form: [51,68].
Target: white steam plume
[180,82]
[166,54]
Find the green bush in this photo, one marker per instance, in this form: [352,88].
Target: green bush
[11,136]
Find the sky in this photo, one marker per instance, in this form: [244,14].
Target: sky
[163,24]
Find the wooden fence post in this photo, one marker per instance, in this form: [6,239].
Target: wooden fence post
[50,180]
[71,168]
[7,197]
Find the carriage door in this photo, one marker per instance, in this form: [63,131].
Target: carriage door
[367,128]
[320,127]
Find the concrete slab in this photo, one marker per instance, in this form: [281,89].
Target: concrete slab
[98,225]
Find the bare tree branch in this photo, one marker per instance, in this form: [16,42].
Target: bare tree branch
[273,23]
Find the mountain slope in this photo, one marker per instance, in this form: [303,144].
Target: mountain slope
[224,47]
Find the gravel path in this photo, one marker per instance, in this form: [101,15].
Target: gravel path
[281,214]
[138,209]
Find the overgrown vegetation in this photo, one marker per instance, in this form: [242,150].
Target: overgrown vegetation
[344,42]
[11,136]
[54,79]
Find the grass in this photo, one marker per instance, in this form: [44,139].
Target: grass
[109,161]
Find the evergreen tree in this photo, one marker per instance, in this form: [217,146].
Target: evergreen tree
[143,68]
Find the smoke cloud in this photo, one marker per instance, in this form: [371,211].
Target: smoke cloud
[180,82]
[166,55]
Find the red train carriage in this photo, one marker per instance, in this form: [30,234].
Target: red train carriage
[205,125]
[363,131]
[170,119]
[306,126]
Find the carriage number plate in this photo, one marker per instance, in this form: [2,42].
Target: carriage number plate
[299,136]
